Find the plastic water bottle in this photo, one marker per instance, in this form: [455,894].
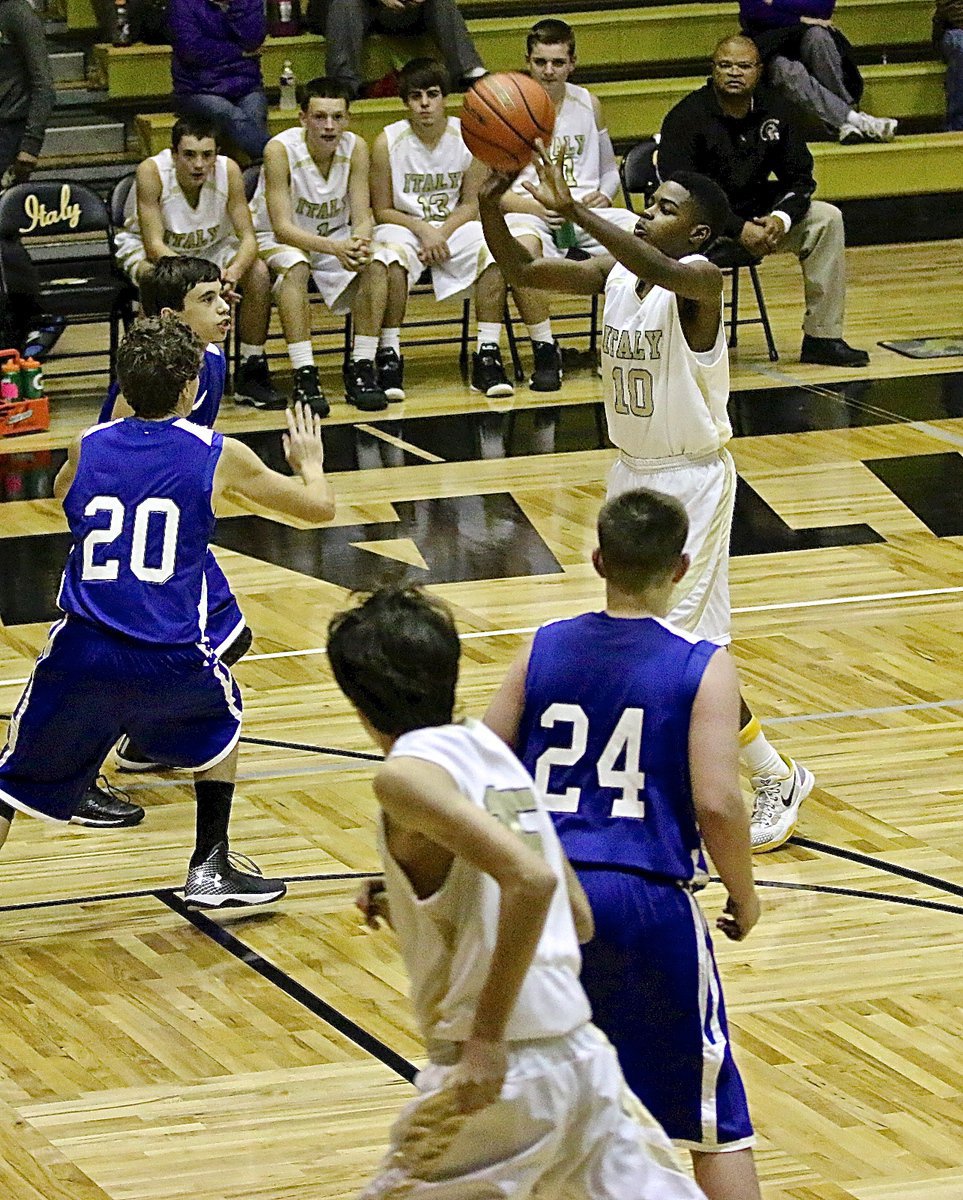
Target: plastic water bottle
[10,382]
[122,34]
[31,380]
[566,236]
[289,88]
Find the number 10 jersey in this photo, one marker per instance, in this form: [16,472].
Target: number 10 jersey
[141,518]
[605,733]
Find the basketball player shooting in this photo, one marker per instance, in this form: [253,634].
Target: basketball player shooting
[665,378]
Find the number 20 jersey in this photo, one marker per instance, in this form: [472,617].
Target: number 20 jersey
[662,398]
[140,514]
[605,731]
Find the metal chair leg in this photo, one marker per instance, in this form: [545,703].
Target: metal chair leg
[348,337]
[513,346]
[465,333]
[734,310]
[764,315]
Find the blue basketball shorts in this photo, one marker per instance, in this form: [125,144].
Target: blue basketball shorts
[179,704]
[651,978]
[224,617]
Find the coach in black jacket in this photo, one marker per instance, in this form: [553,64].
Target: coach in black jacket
[747,141]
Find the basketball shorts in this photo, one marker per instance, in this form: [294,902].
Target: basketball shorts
[336,285]
[651,978]
[707,489]
[179,704]
[224,617]
[131,252]
[469,257]
[564,1128]
[522,224]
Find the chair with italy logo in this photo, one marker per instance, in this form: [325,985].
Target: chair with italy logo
[66,229]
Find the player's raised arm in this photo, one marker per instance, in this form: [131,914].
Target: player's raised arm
[519,266]
[307,495]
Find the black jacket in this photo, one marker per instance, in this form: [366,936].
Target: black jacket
[761,161]
[26,84]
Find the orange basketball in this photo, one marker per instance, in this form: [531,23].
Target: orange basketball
[502,116]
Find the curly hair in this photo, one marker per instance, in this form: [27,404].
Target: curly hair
[157,359]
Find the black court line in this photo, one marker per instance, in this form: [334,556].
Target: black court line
[912,901]
[254,741]
[881,864]
[297,991]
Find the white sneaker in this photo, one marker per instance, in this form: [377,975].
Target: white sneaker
[775,813]
[877,129]
[850,134]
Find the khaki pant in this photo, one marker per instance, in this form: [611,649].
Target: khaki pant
[819,242]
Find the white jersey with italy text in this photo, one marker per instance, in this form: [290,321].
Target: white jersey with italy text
[319,203]
[575,132]
[662,398]
[426,181]
[197,229]
[447,939]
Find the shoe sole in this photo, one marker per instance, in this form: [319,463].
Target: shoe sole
[493,393]
[535,387]
[808,783]
[819,362]
[124,823]
[234,901]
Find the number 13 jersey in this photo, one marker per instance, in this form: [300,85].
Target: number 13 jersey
[140,515]
[605,733]
[662,398]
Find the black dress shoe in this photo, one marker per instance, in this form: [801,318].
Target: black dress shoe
[103,808]
[831,352]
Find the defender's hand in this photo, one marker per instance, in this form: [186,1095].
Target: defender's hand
[738,919]
[302,443]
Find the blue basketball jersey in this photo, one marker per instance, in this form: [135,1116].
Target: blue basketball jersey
[210,390]
[605,733]
[140,514]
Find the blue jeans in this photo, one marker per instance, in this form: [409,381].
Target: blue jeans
[951,47]
[243,122]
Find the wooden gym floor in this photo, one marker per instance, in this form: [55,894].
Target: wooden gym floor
[150,1054]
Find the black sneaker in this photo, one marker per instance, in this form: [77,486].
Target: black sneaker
[253,386]
[390,369]
[130,758]
[831,352]
[488,373]
[307,390]
[547,376]
[361,386]
[218,882]
[103,808]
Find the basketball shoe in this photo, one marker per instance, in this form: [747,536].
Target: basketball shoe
[219,882]
[253,385]
[390,369]
[307,390]
[488,373]
[775,812]
[361,386]
[547,376]
[106,807]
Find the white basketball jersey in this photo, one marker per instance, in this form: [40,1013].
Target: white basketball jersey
[427,182]
[319,203]
[576,132]
[447,939]
[188,228]
[662,398]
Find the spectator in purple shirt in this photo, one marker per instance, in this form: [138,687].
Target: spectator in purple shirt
[810,62]
[216,69]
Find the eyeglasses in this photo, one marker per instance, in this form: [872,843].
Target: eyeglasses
[742,67]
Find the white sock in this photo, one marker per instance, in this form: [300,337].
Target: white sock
[489,333]
[542,332]
[247,351]
[759,757]
[390,340]
[364,348]
[300,354]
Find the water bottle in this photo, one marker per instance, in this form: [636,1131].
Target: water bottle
[31,380]
[566,236]
[122,34]
[289,88]
[284,18]
[10,383]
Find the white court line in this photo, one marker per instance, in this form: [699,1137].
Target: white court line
[750,608]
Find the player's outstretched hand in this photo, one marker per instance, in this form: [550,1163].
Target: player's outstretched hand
[477,1079]
[551,191]
[302,443]
[372,899]
[739,918]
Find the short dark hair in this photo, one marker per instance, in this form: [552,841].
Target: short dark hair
[165,283]
[551,32]
[710,201]
[198,127]
[641,535]
[156,360]
[421,73]
[395,656]
[323,87]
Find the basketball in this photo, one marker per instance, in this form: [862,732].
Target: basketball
[501,117]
